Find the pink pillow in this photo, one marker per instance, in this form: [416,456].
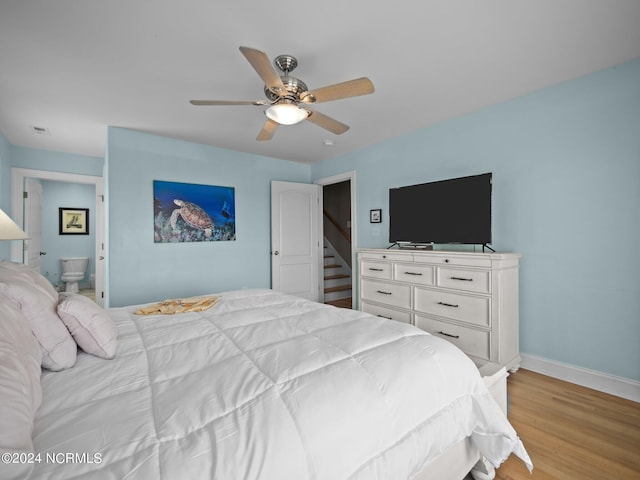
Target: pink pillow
[20,389]
[58,348]
[90,325]
[10,271]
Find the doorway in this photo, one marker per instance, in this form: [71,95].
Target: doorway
[19,178]
[338,222]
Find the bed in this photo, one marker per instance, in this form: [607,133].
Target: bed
[261,385]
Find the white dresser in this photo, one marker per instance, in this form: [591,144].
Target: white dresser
[468,298]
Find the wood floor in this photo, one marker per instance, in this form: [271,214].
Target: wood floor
[341,303]
[571,432]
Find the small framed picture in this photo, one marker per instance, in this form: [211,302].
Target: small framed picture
[375,216]
[73,221]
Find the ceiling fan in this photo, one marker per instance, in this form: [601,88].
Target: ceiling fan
[288,97]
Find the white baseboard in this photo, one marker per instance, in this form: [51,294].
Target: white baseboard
[603,382]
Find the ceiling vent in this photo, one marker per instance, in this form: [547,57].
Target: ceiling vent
[40,130]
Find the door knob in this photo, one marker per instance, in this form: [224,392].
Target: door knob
[43,253]
[100,257]
[276,252]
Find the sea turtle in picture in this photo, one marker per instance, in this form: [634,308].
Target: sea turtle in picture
[193,215]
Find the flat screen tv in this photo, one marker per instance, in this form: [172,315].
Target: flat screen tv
[457,210]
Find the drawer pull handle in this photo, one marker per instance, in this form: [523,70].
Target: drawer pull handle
[376,269]
[384,293]
[448,304]
[384,316]
[448,334]
[413,273]
[462,279]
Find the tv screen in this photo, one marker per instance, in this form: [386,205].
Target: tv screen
[448,211]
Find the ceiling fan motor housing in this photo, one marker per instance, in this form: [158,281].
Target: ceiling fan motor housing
[293,85]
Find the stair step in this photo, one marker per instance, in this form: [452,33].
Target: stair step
[340,302]
[337,277]
[333,265]
[340,288]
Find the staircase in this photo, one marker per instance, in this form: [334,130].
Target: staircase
[337,278]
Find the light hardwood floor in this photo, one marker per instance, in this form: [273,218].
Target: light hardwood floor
[571,432]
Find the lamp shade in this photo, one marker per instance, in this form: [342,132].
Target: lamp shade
[286,113]
[9,230]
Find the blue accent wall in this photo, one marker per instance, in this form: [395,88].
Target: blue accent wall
[143,271]
[566,194]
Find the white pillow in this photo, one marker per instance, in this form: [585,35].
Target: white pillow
[58,348]
[90,325]
[10,271]
[20,389]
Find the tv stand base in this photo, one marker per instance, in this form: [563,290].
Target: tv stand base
[413,246]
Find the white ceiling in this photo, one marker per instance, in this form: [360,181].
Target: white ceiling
[76,66]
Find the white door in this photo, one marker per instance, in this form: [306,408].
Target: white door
[33,223]
[295,239]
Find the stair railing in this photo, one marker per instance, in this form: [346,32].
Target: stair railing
[336,224]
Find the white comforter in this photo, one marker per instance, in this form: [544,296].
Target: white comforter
[264,386]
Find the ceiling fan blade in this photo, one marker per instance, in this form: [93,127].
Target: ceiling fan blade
[268,130]
[262,65]
[228,102]
[351,88]
[328,123]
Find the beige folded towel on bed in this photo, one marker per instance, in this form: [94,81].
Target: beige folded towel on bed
[179,305]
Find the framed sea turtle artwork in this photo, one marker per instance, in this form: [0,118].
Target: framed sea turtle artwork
[188,212]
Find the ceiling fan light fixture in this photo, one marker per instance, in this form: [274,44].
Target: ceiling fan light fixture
[286,113]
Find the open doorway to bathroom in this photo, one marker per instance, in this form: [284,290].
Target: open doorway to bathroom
[60,257]
[37,197]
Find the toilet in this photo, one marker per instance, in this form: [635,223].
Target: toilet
[73,270]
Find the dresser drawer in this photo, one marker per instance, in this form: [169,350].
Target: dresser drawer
[375,269]
[468,280]
[456,260]
[384,256]
[458,306]
[470,341]
[414,273]
[385,312]
[389,293]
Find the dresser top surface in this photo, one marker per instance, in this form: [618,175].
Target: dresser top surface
[440,253]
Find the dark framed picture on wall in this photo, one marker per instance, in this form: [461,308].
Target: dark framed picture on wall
[375,216]
[73,221]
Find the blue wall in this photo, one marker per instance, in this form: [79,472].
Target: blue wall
[141,270]
[48,160]
[566,194]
